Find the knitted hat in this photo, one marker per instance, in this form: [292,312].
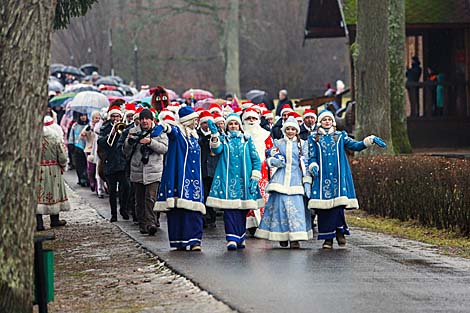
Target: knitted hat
[114,110]
[324,114]
[285,109]
[205,116]
[233,117]
[250,112]
[290,122]
[146,113]
[186,114]
[309,112]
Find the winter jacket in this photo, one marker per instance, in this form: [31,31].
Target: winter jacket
[152,171]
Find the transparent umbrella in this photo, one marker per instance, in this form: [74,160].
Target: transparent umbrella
[89,101]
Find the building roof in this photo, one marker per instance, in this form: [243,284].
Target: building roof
[324,17]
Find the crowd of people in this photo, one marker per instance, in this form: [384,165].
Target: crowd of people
[266,173]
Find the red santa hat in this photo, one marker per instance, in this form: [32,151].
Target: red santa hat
[129,108]
[169,119]
[215,107]
[174,107]
[268,114]
[114,109]
[250,112]
[137,112]
[324,114]
[238,111]
[286,109]
[165,112]
[205,116]
[246,104]
[296,116]
[309,112]
[218,118]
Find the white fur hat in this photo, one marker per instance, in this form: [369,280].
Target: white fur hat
[290,122]
[233,117]
[324,114]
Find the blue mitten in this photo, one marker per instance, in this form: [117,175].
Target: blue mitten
[379,142]
[277,162]
[212,127]
[157,130]
[253,186]
[308,189]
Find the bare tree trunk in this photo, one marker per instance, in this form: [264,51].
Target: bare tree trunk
[372,73]
[232,62]
[25,29]
[401,142]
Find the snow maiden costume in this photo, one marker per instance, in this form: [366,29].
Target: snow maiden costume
[332,189]
[263,142]
[181,191]
[235,184]
[285,217]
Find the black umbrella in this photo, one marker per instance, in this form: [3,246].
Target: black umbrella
[117,78]
[89,68]
[73,71]
[260,96]
[108,80]
[56,68]
[127,90]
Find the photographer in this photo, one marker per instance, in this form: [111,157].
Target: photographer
[146,155]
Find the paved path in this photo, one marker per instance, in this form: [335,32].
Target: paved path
[376,273]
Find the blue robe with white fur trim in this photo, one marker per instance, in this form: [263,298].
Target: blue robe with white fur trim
[333,186]
[237,163]
[181,184]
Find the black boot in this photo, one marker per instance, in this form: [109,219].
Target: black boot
[124,214]
[39,223]
[55,222]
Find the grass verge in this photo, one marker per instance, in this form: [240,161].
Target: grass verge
[446,241]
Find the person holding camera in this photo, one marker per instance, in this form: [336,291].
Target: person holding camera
[146,156]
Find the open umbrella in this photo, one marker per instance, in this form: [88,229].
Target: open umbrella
[59,100]
[89,101]
[197,94]
[115,93]
[260,96]
[109,81]
[56,67]
[89,68]
[80,87]
[73,71]
[55,85]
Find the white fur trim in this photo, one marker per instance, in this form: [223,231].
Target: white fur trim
[205,119]
[284,236]
[235,203]
[307,179]
[324,114]
[259,136]
[214,145]
[251,221]
[115,111]
[369,141]
[311,166]
[188,117]
[286,190]
[250,113]
[255,174]
[332,203]
[170,203]
[268,115]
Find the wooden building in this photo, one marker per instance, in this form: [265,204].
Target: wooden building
[438,36]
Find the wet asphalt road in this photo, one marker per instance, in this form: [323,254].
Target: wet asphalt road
[374,274]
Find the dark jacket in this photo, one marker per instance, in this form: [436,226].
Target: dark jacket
[281,103]
[304,132]
[112,157]
[276,132]
[208,161]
